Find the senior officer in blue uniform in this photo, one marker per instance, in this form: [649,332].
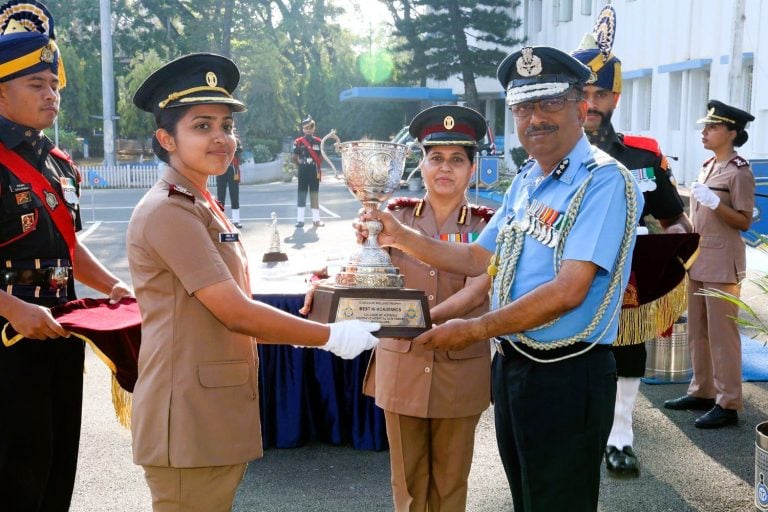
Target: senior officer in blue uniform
[559,250]
[643,157]
[41,376]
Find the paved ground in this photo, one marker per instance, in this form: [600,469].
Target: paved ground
[683,468]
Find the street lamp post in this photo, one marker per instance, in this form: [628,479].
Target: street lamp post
[107,83]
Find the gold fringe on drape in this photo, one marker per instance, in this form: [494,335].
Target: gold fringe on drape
[122,401]
[646,322]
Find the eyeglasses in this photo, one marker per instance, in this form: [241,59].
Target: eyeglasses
[548,105]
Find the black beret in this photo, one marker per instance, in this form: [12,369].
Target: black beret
[194,79]
[448,125]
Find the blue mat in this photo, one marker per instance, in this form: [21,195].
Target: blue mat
[754,363]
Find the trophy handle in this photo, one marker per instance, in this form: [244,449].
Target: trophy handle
[409,151]
[331,135]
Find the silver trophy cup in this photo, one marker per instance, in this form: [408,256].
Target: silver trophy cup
[372,171]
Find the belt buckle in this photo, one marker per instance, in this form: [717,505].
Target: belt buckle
[58,277]
[497,345]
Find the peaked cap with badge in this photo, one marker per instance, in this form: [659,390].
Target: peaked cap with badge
[720,113]
[540,72]
[194,79]
[27,41]
[448,125]
[596,52]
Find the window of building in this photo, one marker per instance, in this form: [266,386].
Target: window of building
[698,95]
[586,7]
[533,16]
[644,88]
[675,94]
[627,97]
[565,10]
[748,76]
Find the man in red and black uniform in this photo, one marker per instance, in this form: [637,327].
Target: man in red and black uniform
[643,157]
[41,376]
[306,155]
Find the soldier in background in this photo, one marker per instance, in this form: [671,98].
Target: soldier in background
[643,157]
[306,155]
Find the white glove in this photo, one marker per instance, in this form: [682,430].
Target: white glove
[705,196]
[642,230]
[351,338]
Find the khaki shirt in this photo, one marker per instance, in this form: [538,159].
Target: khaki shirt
[196,401]
[722,253]
[406,378]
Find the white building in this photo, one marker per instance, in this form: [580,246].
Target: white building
[676,54]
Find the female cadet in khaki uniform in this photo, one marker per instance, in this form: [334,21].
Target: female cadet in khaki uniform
[195,418]
[721,208]
[432,399]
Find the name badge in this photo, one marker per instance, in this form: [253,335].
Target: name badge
[228,238]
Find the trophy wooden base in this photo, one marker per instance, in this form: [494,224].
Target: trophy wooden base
[270,257]
[402,313]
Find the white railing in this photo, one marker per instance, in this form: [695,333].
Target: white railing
[123,176]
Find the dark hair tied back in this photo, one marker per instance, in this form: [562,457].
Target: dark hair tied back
[741,137]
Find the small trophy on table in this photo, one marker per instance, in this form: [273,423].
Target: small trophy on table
[369,287]
[274,253]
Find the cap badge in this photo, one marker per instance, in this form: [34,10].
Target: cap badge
[211,79]
[46,55]
[592,78]
[449,122]
[528,64]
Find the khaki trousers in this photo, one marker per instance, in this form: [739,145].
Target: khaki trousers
[715,345]
[430,459]
[210,489]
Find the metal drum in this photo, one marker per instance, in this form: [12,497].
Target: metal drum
[668,357]
[761,467]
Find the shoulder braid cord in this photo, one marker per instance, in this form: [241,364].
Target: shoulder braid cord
[509,243]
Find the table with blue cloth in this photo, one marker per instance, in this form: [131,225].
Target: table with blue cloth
[312,395]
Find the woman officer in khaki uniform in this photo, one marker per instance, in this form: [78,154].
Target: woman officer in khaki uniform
[721,208]
[432,399]
[195,417]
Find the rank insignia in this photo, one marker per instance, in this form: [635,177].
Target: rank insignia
[27,222]
[50,200]
[174,189]
[23,197]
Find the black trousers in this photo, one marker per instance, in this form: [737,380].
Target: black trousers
[228,180]
[630,360]
[552,424]
[308,182]
[41,395]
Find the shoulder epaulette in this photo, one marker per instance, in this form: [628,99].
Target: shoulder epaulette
[63,155]
[483,211]
[739,162]
[599,159]
[400,203]
[174,189]
[646,143]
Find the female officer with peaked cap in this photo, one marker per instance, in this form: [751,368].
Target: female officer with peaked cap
[432,399]
[195,418]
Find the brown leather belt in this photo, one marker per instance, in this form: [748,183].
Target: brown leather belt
[50,277]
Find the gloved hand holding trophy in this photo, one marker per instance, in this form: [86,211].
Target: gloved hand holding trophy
[369,287]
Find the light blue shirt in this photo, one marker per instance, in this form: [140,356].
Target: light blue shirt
[596,236]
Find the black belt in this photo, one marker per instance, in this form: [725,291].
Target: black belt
[50,277]
[505,349]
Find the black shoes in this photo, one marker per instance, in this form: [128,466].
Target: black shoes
[318,223]
[237,225]
[718,417]
[299,224]
[690,402]
[621,463]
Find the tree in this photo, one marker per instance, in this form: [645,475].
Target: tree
[467,38]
